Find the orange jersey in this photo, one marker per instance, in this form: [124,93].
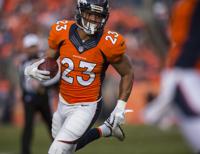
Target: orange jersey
[83,65]
[180,25]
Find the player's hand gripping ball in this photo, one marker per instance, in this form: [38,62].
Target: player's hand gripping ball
[50,65]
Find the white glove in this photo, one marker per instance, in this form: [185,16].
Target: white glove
[117,117]
[33,71]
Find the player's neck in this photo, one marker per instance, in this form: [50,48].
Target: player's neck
[84,37]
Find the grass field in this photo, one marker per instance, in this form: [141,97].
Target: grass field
[140,140]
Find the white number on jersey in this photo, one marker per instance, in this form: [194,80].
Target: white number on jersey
[83,64]
[61,25]
[112,36]
[67,70]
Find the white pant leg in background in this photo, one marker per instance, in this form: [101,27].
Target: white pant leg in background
[190,125]
[162,104]
[190,128]
[189,84]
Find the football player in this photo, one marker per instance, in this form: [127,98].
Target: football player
[180,80]
[85,50]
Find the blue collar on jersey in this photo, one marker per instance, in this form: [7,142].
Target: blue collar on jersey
[79,44]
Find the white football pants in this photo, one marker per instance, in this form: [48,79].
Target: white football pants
[69,123]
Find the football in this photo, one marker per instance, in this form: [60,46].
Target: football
[50,65]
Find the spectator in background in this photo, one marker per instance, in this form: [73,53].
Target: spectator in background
[34,95]
[180,84]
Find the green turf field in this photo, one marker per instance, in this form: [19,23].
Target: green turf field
[140,140]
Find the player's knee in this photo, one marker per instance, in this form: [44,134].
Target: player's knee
[61,148]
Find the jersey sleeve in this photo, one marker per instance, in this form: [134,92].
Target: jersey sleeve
[113,46]
[57,34]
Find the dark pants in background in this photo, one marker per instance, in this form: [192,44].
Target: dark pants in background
[32,105]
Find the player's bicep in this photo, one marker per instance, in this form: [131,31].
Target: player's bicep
[57,34]
[113,46]
[123,66]
[53,37]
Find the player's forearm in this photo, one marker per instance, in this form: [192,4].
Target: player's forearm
[117,116]
[126,85]
[125,69]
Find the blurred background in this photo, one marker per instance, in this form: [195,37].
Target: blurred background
[143,23]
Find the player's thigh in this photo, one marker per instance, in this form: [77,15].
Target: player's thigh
[57,122]
[77,123]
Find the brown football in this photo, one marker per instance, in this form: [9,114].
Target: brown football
[50,65]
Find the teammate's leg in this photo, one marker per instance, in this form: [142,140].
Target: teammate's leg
[190,130]
[188,118]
